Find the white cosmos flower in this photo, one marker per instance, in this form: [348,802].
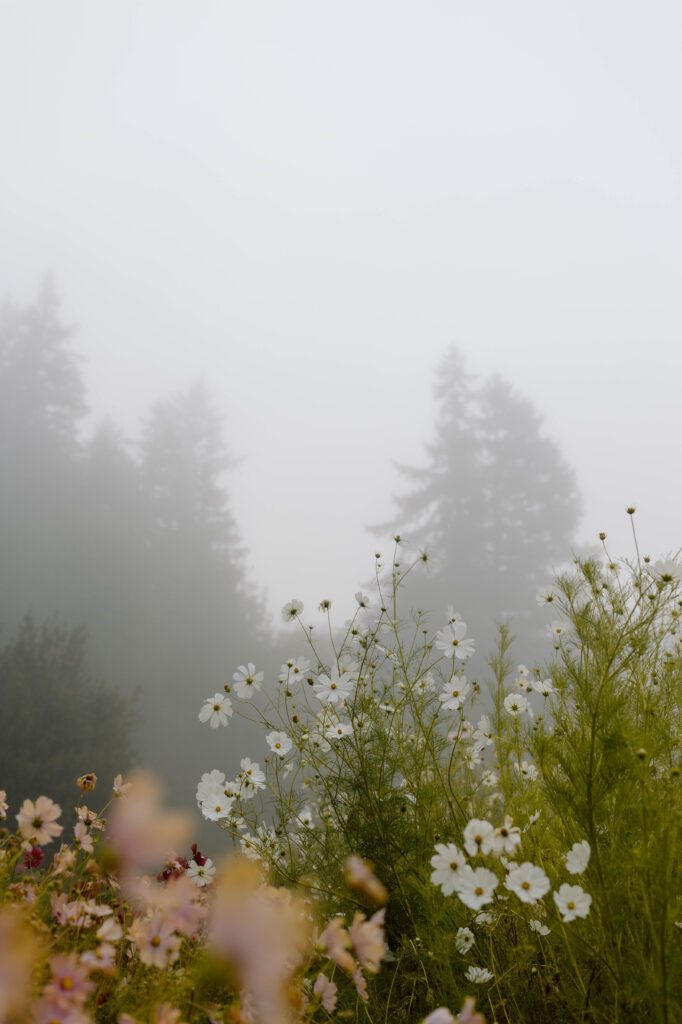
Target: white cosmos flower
[544,687]
[484,732]
[247,681]
[572,902]
[333,688]
[538,927]
[425,684]
[202,874]
[216,710]
[279,743]
[527,770]
[450,641]
[292,610]
[440,1016]
[506,838]
[339,730]
[479,975]
[559,628]
[490,779]
[475,886]
[447,862]
[578,857]
[528,882]
[464,940]
[293,670]
[455,692]
[305,817]
[546,595]
[362,599]
[668,570]
[210,781]
[478,837]
[216,805]
[251,778]
[516,704]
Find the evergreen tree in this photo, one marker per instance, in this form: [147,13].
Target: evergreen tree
[203,619]
[58,721]
[41,405]
[496,505]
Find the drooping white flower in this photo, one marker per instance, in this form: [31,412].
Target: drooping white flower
[362,599]
[454,693]
[483,735]
[528,882]
[121,788]
[451,641]
[516,704]
[544,687]
[333,688]
[572,902]
[479,975]
[476,886]
[216,710]
[247,681]
[447,862]
[464,940]
[202,874]
[292,610]
[478,837]
[578,857]
[546,595]
[538,927]
[668,570]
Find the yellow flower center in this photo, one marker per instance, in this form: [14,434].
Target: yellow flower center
[156,940]
[478,890]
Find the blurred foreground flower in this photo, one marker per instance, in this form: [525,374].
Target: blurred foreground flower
[18,953]
[359,875]
[264,934]
[141,833]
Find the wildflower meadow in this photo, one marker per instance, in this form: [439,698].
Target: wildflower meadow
[426,832]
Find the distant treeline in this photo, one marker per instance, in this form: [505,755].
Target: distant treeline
[135,540]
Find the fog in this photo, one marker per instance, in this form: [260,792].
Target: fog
[303,205]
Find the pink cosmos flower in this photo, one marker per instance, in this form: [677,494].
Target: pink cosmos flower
[368,939]
[155,941]
[69,980]
[326,991]
[51,1010]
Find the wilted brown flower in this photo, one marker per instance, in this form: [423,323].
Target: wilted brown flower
[86,783]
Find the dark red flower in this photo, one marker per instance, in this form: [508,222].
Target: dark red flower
[34,858]
[198,856]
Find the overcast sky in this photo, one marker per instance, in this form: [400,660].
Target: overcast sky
[304,203]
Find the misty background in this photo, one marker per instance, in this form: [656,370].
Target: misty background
[268,224]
